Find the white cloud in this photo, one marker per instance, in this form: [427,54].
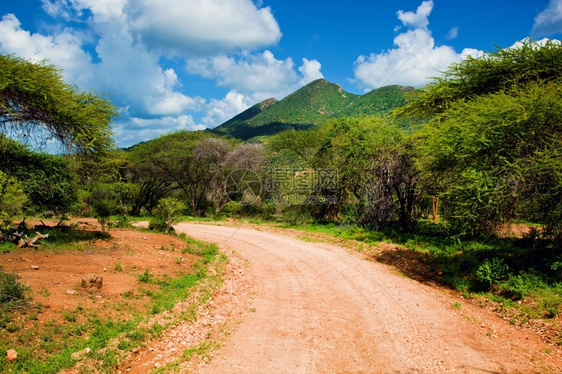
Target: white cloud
[415,60]
[72,9]
[310,70]
[453,33]
[220,111]
[125,69]
[419,18]
[260,74]
[133,129]
[549,21]
[203,27]
[63,49]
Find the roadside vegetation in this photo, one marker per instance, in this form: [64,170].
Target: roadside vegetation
[444,177]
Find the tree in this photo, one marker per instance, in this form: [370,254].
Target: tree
[152,182]
[492,144]
[36,103]
[167,212]
[45,179]
[375,168]
[104,205]
[173,155]
[364,168]
[527,62]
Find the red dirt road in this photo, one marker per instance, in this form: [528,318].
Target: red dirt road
[319,309]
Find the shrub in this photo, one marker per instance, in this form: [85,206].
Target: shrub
[491,272]
[12,293]
[157,224]
[167,212]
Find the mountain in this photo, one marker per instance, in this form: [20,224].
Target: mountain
[308,107]
[378,101]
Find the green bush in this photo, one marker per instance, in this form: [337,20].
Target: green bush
[167,212]
[12,293]
[491,272]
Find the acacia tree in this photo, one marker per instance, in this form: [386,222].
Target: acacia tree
[376,170]
[35,103]
[492,144]
[369,168]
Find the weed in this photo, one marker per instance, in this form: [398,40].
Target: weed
[118,267]
[70,316]
[33,317]
[202,350]
[13,327]
[457,305]
[146,277]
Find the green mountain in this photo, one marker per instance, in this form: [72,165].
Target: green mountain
[378,101]
[308,107]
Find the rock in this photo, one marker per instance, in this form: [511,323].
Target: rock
[11,355]
[92,280]
[35,267]
[71,292]
[80,354]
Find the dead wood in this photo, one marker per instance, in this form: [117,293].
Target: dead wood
[28,242]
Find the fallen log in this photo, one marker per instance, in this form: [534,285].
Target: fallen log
[28,242]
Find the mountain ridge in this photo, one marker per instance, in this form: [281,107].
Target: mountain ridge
[308,107]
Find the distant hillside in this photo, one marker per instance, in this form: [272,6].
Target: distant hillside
[308,107]
[304,108]
[380,100]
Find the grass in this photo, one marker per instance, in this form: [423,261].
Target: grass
[47,348]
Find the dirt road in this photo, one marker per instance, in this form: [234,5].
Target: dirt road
[318,309]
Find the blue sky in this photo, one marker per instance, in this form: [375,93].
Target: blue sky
[192,64]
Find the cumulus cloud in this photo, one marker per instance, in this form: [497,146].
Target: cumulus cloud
[132,130]
[310,70]
[419,18]
[549,21]
[63,49]
[416,58]
[203,27]
[79,9]
[220,111]
[118,65]
[260,74]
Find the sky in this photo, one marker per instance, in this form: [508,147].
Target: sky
[172,65]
